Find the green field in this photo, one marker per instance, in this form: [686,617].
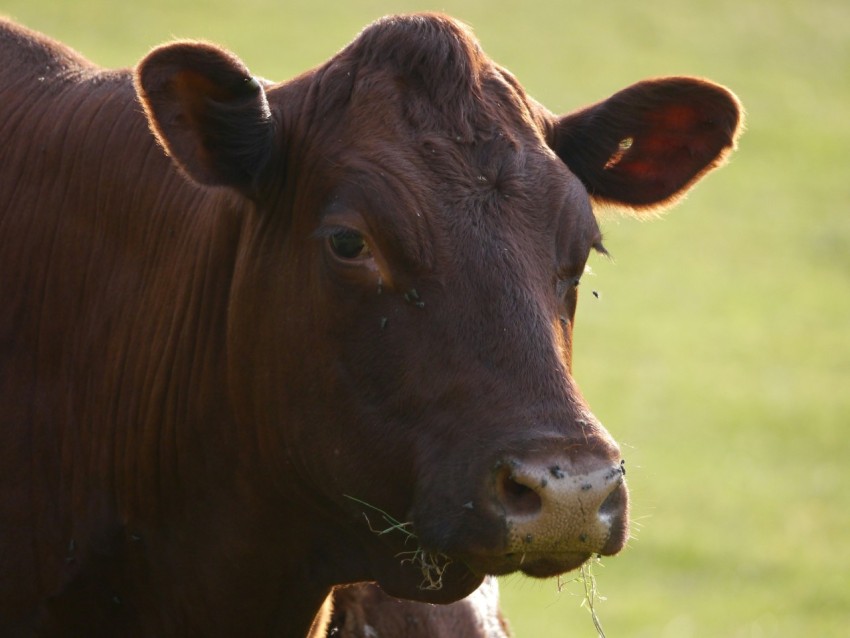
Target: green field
[719,351]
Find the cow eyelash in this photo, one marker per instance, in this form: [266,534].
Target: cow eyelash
[600,248]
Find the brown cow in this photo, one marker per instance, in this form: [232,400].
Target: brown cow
[364,611]
[259,340]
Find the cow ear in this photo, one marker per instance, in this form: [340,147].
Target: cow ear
[208,112]
[645,146]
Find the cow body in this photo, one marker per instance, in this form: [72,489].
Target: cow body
[130,266]
[332,319]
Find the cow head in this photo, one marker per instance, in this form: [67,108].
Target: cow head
[403,303]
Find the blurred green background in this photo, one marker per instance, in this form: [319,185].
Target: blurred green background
[719,351]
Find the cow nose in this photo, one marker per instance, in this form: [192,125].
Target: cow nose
[551,508]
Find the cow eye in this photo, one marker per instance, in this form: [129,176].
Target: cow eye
[348,244]
[566,284]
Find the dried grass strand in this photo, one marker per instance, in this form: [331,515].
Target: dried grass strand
[432,565]
[591,593]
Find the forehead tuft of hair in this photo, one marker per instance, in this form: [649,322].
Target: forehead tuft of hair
[432,58]
[432,51]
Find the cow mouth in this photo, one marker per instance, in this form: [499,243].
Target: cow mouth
[536,565]
[465,573]
[542,563]
[419,574]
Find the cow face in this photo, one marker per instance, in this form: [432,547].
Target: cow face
[404,301]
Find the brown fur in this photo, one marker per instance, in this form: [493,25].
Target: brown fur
[192,382]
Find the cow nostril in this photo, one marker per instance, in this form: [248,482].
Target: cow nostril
[562,506]
[614,504]
[519,500]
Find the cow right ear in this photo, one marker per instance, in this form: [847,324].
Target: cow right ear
[207,111]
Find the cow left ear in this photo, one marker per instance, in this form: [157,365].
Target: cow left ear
[645,146]
[208,112]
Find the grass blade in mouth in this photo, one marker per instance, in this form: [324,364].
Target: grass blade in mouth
[591,592]
[432,564]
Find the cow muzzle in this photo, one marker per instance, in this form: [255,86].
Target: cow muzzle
[557,514]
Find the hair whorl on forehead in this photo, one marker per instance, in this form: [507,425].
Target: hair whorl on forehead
[436,52]
[431,55]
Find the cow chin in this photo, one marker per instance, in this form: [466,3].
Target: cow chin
[455,583]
